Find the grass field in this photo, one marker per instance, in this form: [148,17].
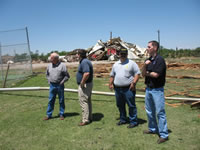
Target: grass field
[22,126]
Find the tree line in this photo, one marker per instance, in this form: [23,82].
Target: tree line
[166,53]
[171,53]
[44,57]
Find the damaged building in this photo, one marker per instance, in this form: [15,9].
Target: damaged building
[110,51]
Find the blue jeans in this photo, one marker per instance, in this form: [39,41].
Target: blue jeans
[155,108]
[53,91]
[123,96]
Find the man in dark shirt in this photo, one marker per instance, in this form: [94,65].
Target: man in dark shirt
[84,78]
[57,75]
[154,71]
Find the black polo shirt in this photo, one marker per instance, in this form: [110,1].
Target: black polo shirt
[157,65]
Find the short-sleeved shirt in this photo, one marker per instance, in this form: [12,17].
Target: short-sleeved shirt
[124,73]
[157,65]
[84,66]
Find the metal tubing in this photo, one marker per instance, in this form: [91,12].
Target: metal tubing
[93,92]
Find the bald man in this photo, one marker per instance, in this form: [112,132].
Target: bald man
[57,75]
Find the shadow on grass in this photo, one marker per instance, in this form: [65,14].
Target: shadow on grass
[97,116]
[28,95]
[141,121]
[71,114]
[66,115]
[170,131]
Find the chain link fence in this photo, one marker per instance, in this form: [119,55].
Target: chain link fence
[15,57]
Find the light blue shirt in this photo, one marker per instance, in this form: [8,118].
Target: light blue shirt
[124,73]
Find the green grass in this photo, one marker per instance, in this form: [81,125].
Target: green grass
[22,127]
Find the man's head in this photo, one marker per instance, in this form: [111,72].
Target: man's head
[123,53]
[54,57]
[81,53]
[152,47]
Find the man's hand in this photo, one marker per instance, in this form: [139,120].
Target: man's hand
[147,62]
[111,86]
[132,87]
[83,85]
[61,83]
[84,79]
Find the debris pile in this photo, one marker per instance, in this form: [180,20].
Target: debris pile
[101,71]
[183,66]
[110,50]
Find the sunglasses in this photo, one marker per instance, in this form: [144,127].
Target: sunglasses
[123,53]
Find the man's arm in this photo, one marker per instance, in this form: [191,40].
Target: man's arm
[111,86]
[47,75]
[146,73]
[65,74]
[84,79]
[134,82]
[152,74]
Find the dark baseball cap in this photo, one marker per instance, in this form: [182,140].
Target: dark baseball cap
[123,50]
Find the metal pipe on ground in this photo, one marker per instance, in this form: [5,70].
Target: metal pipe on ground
[93,92]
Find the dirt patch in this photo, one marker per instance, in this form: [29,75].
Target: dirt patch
[103,68]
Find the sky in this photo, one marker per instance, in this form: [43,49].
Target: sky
[65,25]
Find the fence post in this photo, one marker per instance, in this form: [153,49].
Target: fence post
[29,49]
[4,84]
[1,63]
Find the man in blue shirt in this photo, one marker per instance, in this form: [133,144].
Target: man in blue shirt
[123,78]
[154,71]
[84,78]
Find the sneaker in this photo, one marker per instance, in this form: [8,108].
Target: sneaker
[148,132]
[162,140]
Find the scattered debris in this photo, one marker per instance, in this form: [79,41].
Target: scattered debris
[182,66]
[103,70]
[71,56]
[173,105]
[184,77]
[195,104]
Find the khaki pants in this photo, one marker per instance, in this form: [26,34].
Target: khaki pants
[85,101]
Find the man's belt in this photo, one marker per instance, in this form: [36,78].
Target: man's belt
[127,86]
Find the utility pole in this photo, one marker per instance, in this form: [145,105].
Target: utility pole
[111,37]
[159,41]
[159,37]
